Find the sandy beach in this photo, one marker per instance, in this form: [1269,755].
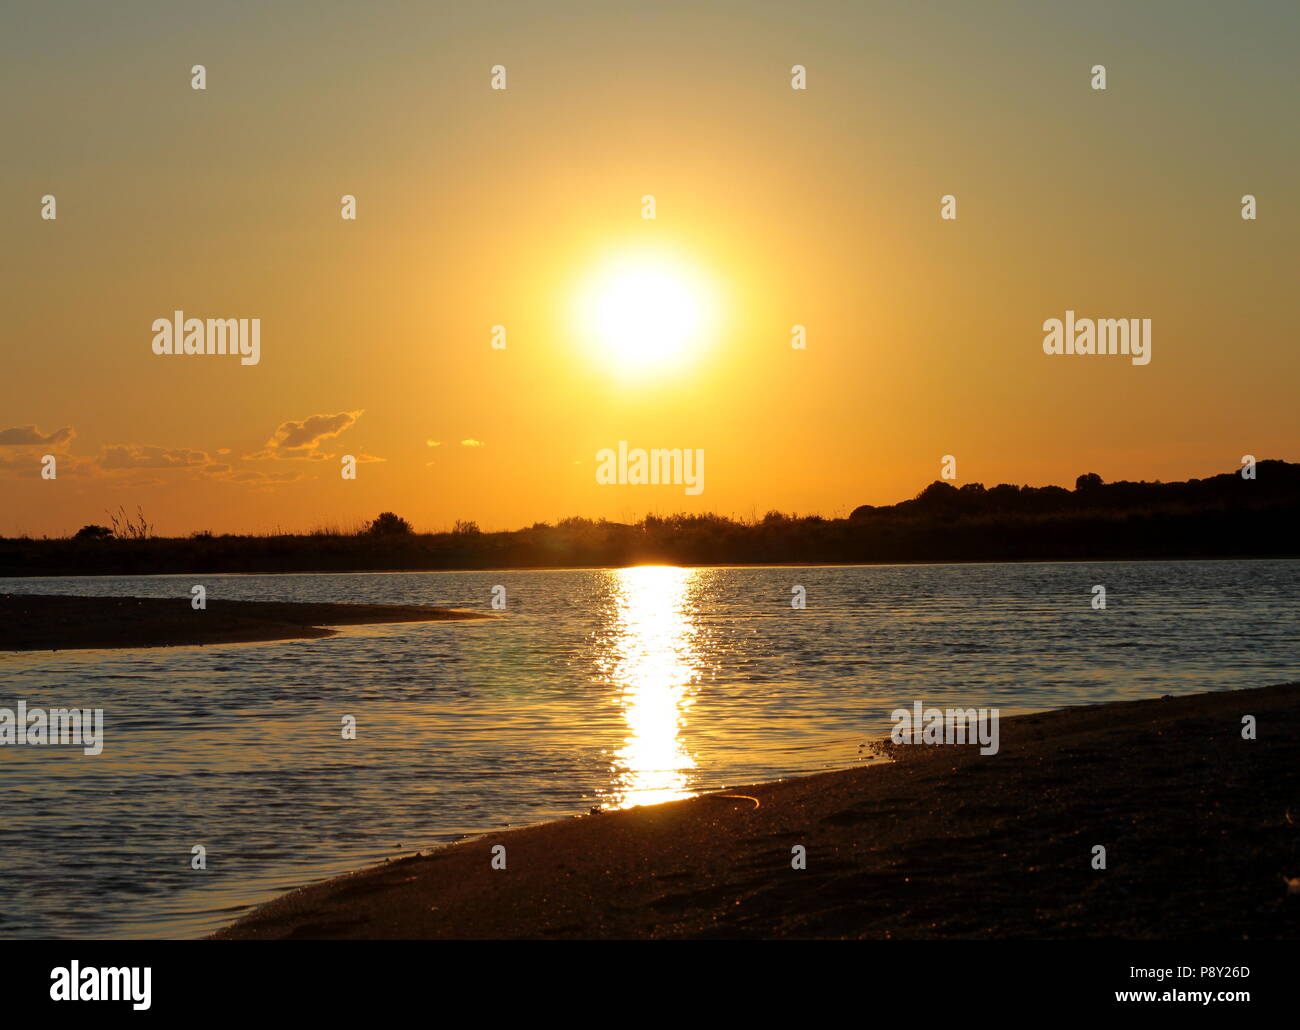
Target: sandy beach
[1201,829]
[38,622]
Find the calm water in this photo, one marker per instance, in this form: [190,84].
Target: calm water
[606,687]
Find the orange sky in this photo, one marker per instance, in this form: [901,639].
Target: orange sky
[479,208]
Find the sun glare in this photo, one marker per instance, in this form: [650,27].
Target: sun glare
[645,312]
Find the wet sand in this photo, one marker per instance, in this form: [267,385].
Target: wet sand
[32,622]
[1201,830]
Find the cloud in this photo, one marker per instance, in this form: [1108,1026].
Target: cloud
[472,443]
[116,459]
[310,433]
[298,440]
[254,476]
[433,443]
[120,456]
[21,448]
[30,436]
[28,445]
[29,464]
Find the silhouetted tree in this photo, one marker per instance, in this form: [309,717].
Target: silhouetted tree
[937,495]
[1088,481]
[93,532]
[388,524]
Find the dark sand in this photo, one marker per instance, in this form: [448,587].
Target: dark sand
[1201,828]
[32,622]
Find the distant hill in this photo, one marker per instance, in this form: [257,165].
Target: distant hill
[1219,517]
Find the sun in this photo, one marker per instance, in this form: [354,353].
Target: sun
[645,312]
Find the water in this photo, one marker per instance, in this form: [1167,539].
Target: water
[597,687]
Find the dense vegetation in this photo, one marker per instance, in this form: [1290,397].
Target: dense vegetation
[1222,516]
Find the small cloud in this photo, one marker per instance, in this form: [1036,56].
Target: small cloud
[472,443]
[253,476]
[433,443]
[300,438]
[119,456]
[30,444]
[30,436]
[25,463]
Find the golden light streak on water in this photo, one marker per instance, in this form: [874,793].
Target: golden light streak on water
[655,664]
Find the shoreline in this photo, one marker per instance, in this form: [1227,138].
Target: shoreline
[64,622]
[16,578]
[1201,829]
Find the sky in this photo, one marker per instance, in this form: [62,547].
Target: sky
[774,207]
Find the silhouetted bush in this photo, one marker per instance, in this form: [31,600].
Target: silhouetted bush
[388,524]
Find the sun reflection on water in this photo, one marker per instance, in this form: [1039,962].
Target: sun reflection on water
[654,662]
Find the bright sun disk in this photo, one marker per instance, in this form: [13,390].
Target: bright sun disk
[644,313]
